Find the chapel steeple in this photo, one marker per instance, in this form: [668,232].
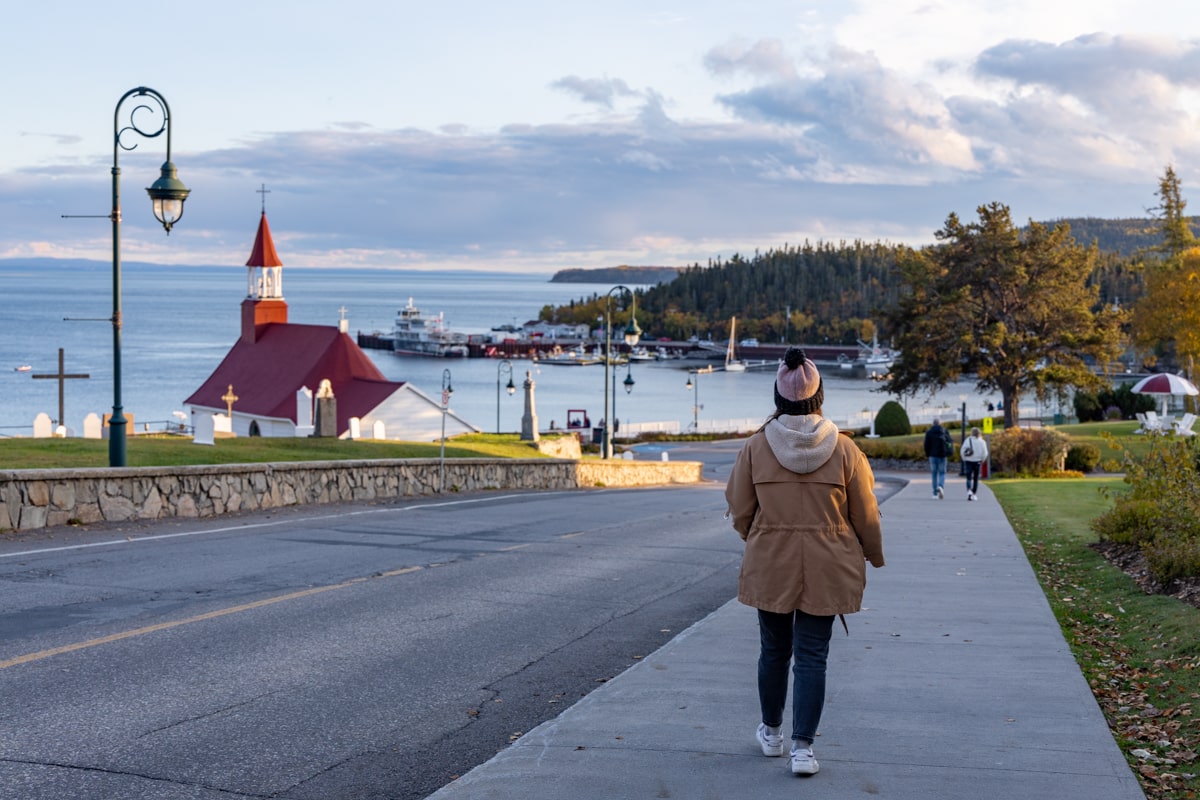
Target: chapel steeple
[264,301]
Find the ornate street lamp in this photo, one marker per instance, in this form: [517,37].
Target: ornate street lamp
[167,195]
[632,334]
[502,368]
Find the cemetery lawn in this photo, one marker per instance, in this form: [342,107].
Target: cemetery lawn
[1139,653]
[171,451]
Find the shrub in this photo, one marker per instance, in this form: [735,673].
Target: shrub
[1035,451]
[1083,457]
[1161,510]
[1096,407]
[892,420]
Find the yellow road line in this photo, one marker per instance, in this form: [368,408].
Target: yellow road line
[162,626]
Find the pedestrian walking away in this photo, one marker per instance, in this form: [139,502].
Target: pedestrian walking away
[802,497]
[938,448]
[974,452]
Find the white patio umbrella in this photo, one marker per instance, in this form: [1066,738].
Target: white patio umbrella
[1165,384]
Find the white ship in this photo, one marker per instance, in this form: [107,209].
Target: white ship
[416,335]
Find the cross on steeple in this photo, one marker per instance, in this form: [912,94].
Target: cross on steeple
[230,398]
[264,191]
[61,376]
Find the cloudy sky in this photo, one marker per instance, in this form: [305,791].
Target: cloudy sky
[531,135]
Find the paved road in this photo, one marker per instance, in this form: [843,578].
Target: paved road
[359,652]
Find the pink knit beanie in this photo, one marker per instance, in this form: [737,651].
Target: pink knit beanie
[798,386]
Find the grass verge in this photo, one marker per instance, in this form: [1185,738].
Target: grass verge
[1140,653]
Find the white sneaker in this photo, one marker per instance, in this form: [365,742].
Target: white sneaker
[972,496]
[940,493]
[771,743]
[803,762]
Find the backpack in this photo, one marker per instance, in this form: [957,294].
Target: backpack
[948,442]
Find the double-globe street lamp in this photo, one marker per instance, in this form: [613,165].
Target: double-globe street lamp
[167,195]
[632,334]
[504,367]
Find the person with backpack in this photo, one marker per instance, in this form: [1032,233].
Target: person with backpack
[974,453]
[938,447]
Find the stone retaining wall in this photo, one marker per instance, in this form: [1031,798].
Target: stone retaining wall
[42,498]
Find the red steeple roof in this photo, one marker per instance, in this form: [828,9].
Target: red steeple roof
[264,254]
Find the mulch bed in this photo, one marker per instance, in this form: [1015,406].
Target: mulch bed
[1129,559]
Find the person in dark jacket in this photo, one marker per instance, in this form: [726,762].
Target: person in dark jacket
[802,497]
[938,447]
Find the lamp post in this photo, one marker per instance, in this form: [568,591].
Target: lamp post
[632,334]
[694,386]
[447,390]
[628,383]
[503,367]
[166,195]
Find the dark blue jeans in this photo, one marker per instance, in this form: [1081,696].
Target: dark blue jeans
[801,640]
[972,476]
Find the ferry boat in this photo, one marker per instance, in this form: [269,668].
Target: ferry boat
[418,335]
[23,368]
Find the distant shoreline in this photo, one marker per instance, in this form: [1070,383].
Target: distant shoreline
[644,276]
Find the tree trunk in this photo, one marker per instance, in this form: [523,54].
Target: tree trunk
[1012,408]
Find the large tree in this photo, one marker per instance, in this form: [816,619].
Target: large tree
[1011,308]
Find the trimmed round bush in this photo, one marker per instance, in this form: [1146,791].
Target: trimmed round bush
[892,420]
[1083,457]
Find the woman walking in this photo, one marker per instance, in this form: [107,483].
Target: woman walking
[802,497]
[974,452]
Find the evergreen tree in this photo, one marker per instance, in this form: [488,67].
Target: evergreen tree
[1175,227]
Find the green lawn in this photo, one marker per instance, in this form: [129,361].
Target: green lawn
[1140,653]
[166,451]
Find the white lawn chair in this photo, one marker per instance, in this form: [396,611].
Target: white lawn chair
[1183,425]
[1145,424]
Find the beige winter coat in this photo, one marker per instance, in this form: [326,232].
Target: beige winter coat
[802,497]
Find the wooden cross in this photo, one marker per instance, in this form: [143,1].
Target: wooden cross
[61,376]
[230,398]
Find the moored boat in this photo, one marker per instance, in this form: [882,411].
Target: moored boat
[418,335]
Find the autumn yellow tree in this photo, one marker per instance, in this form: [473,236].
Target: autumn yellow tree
[1167,318]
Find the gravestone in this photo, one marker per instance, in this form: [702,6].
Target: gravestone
[355,428]
[379,430]
[91,426]
[304,412]
[43,426]
[204,429]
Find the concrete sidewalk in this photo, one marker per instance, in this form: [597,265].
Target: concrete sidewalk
[955,682]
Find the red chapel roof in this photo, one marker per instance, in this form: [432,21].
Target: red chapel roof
[267,373]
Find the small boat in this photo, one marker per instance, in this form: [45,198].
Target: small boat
[873,361]
[641,354]
[572,358]
[731,362]
[23,368]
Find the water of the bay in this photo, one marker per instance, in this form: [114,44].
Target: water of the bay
[179,322]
